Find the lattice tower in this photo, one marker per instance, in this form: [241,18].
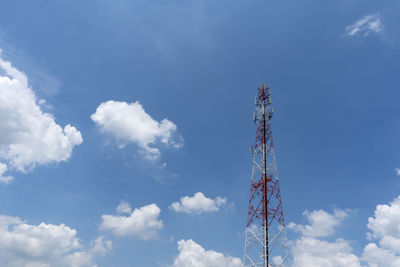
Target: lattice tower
[265,244]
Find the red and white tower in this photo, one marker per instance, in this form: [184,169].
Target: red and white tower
[265,244]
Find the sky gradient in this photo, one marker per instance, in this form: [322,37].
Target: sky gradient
[126,129]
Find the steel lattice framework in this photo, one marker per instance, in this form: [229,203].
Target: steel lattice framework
[265,244]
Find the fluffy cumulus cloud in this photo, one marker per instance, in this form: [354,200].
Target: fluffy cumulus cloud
[29,136]
[26,245]
[385,229]
[367,25]
[192,254]
[198,204]
[142,222]
[130,123]
[321,222]
[310,250]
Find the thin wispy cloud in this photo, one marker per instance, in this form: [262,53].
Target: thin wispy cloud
[370,24]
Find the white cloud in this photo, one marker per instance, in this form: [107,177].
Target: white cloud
[199,203]
[309,251]
[365,26]
[4,179]
[100,246]
[124,207]
[22,244]
[397,170]
[192,254]
[377,257]
[385,228]
[321,222]
[386,220]
[130,123]
[142,222]
[29,136]
[77,259]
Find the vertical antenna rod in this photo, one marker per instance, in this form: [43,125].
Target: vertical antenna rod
[265,243]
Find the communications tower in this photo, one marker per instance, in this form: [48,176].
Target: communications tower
[265,244]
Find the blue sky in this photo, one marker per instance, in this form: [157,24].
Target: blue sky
[159,97]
